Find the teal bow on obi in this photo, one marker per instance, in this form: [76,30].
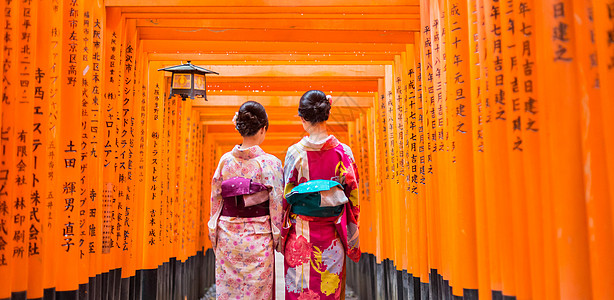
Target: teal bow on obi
[317,198]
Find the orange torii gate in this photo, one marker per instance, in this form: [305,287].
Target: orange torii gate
[482,131]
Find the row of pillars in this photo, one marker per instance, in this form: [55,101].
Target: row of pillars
[491,165]
[101,174]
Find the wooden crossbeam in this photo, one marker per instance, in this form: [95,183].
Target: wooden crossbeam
[314,58]
[206,47]
[353,71]
[339,15]
[274,35]
[224,103]
[273,3]
[407,8]
[331,24]
[299,84]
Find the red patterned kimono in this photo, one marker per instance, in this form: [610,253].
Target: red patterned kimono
[315,246]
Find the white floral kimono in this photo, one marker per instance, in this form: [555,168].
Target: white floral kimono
[244,246]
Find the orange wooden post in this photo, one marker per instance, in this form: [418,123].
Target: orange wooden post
[119,180]
[165,181]
[380,159]
[207,174]
[182,174]
[141,187]
[53,198]
[598,204]
[179,178]
[185,174]
[558,90]
[379,118]
[433,123]
[125,219]
[390,192]
[411,156]
[8,142]
[68,151]
[95,148]
[139,95]
[365,202]
[439,188]
[40,182]
[22,135]
[3,17]
[192,188]
[421,94]
[178,206]
[111,111]
[172,163]
[400,259]
[477,71]
[604,26]
[459,85]
[516,210]
[428,100]
[201,198]
[406,159]
[151,216]
[496,170]
[372,173]
[83,205]
[413,160]
[524,20]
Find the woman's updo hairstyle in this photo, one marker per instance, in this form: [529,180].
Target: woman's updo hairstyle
[251,118]
[314,107]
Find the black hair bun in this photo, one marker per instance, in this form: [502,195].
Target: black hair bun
[251,118]
[314,107]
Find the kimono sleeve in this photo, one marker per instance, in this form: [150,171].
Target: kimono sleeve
[216,202]
[273,175]
[350,179]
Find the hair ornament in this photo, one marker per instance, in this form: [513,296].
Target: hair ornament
[234,119]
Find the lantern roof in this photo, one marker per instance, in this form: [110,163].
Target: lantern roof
[188,67]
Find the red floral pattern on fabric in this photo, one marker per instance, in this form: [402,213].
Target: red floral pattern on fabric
[298,251]
[309,295]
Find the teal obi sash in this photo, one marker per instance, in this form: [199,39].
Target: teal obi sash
[317,198]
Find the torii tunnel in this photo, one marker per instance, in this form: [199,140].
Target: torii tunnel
[483,132]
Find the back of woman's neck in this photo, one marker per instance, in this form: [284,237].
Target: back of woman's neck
[247,143]
[318,136]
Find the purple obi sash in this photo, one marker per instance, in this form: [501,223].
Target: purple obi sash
[244,198]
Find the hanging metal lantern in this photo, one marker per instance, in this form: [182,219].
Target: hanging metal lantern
[188,80]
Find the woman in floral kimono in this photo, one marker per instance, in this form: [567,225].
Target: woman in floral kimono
[320,225]
[246,209]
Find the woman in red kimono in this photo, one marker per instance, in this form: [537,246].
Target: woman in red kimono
[246,203]
[321,208]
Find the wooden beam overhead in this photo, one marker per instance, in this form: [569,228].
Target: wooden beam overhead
[238,84]
[206,47]
[356,71]
[275,35]
[408,8]
[232,102]
[291,23]
[264,15]
[319,58]
[260,3]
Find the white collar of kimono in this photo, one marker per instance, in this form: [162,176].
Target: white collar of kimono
[327,143]
[247,153]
